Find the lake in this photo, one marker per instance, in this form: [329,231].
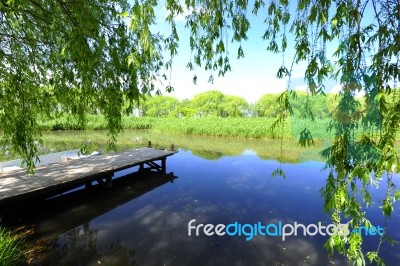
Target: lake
[144,219]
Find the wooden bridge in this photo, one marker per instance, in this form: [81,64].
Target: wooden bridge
[59,177]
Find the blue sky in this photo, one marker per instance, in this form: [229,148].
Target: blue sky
[251,76]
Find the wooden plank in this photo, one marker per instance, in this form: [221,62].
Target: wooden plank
[18,185]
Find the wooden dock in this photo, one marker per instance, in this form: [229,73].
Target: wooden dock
[60,177]
[67,211]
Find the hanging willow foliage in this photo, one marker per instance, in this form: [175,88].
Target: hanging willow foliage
[89,56]
[71,56]
[366,62]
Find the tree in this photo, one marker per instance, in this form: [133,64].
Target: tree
[208,103]
[161,106]
[235,106]
[83,48]
[185,108]
[70,56]
[267,105]
[304,103]
[215,103]
[367,60]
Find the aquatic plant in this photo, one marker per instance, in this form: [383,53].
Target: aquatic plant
[11,252]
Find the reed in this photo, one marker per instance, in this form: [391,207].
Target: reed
[10,248]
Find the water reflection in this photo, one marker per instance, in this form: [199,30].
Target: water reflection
[145,221]
[66,211]
[212,148]
[148,226]
[79,246]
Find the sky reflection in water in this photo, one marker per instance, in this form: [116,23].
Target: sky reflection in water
[151,229]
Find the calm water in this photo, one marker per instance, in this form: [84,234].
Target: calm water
[144,219]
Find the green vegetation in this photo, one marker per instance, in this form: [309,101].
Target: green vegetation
[211,103]
[82,57]
[216,114]
[216,104]
[250,127]
[212,126]
[63,56]
[161,106]
[208,147]
[10,248]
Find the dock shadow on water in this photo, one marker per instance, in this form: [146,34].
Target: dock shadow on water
[62,223]
[143,219]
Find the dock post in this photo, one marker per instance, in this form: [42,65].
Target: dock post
[108,182]
[88,184]
[163,164]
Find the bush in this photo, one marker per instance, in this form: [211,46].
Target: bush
[10,248]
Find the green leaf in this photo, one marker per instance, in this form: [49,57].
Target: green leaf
[279,172]
[124,14]
[387,208]
[397,195]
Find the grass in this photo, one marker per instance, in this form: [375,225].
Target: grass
[208,147]
[254,127]
[10,248]
[200,135]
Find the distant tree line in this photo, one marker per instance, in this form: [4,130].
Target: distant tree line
[216,104]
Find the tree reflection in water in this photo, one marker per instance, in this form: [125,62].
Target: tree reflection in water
[79,246]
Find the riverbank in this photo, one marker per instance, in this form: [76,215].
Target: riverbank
[207,147]
[11,248]
[252,127]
